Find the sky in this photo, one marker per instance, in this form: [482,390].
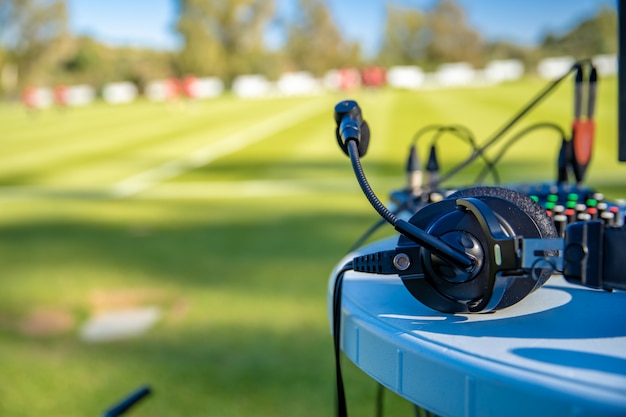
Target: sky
[150,23]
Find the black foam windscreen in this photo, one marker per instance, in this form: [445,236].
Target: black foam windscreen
[365,138]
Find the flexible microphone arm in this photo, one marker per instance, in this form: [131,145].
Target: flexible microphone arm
[409,230]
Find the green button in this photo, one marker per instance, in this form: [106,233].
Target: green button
[592,202]
[549,205]
[572,197]
[553,198]
[534,198]
[571,204]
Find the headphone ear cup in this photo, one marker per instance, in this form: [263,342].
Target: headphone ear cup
[517,216]
[537,214]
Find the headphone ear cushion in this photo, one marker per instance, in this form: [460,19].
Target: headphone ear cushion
[525,203]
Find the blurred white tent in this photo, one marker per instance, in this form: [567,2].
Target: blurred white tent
[455,74]
[405,77]
[79,95]
[207,87]
[119,93]
[298,84]
[159,90]
[345,79]
[551,68]
[251,86]
[503,70]
[605,64]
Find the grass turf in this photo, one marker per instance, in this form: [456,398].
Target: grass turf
[236,253]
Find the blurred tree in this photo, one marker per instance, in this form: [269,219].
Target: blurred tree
[141,65]
[86,57]
[315,44]
[450,39]
[91,62]
[529,56]
[405,37]
[505,50]
[596,35]
[223,38]
[5,83]
[32,32]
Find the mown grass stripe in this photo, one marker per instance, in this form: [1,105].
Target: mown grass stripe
[180,133]
[215,150]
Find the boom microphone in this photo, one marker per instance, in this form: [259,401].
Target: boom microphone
[351,126]
[348,117]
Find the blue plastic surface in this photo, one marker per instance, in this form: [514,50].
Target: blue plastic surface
[559,352]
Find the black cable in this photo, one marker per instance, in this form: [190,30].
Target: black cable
[494,172]
[342,409]
[461,132]
[380,397]
[512,140]
[421,412]
[488,164]
[499,133]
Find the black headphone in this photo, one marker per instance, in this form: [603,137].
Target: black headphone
[484,248]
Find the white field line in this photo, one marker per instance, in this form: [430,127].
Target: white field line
[193,191]
[53,192]
[201,190]
[209,153]
[248,189]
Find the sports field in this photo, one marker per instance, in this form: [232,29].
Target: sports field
[227,216]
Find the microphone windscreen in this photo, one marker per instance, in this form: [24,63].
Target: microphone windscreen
[365,138]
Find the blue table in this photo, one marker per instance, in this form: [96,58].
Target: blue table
[559,352]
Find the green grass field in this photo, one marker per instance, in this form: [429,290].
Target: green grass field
[228,215]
